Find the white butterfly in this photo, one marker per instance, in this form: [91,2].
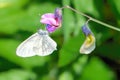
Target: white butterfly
[38,44]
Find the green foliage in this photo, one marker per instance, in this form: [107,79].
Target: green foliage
[69,54]
[81,5]
[17,75]
[68,27]
[96,70]
[66,75]
[21,18]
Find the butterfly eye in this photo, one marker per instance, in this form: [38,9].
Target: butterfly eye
[89,44]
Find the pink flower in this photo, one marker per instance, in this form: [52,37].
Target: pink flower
[52,20]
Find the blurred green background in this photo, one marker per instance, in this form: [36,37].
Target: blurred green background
[20,18]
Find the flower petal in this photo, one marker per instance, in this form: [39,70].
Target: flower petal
[50,21]
[48,15]
[58,15]
[86,30]
[88,45]
[50,28]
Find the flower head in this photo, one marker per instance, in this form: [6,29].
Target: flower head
[52,20]
[89,44]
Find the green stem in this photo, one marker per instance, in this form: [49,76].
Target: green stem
[92,19]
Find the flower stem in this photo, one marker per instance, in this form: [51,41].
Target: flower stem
[93,19]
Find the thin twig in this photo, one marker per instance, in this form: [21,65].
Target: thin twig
[92,19]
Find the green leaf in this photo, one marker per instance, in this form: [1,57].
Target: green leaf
[80,20]
[68,21]
[17,75]
[70,50]
[10,15]
[115,7]
[9,24]
[87,6]
[13,3]
[97,70]
[79,65]
[110,50]
[66,75]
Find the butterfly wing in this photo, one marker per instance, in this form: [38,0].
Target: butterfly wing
[48,46]
[25,49]
[37,44]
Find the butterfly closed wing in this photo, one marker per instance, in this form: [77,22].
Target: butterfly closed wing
[38,44]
